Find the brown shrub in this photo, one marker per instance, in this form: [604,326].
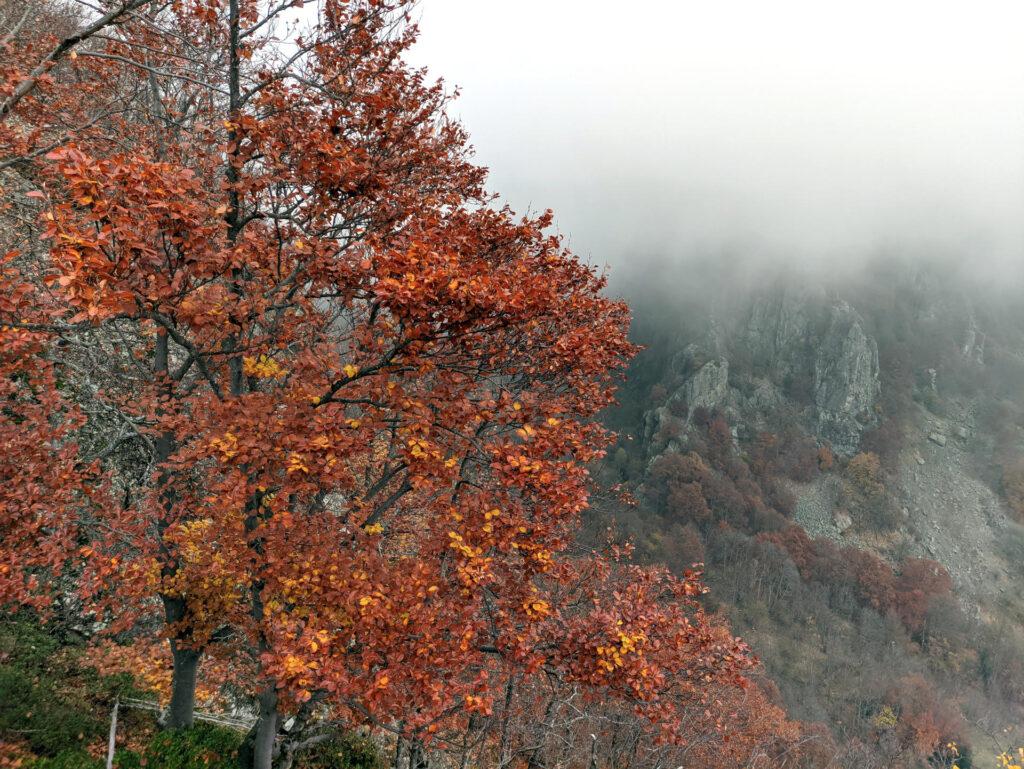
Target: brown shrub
[926,721]
[864,492]
[1013,486]
[920,581]
[826,459]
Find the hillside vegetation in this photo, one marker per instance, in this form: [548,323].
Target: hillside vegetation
[845,460]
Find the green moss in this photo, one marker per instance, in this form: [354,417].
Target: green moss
[48,697]
[67,759]
[349,751]
[204,746]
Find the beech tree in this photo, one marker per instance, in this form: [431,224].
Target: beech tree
[358,393]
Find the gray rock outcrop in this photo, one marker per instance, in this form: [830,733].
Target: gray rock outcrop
[846,384]
[708,388]
[779,332]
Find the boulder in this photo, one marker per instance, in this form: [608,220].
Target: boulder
[937,438]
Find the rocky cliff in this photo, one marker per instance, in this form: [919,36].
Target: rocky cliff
[803,356]
[791,340]
[848,462]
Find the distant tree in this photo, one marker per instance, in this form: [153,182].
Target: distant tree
[719,439]
[920,581]
[682,547]
[864,492]
[924,723]
[674,486]
[873,579]
[701,417]
[826,459]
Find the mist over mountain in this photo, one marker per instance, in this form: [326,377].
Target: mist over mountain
[773,134]
[815,215]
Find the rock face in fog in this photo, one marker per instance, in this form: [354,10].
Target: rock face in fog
[780,330]
[708,388]
[802,365]
[846,385]
[798,335]
[795,349]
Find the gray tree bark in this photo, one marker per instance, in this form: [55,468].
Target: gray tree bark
[181,711]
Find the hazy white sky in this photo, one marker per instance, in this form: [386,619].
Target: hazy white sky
[816,129]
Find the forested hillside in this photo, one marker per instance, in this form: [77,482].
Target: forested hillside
[845,456]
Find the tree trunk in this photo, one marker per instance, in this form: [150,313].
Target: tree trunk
[266,730]
[399,744]
[417,758]
[536,758]
[181,712]
[257,750]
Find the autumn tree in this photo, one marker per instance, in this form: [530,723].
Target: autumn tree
[920,581]
[361,394]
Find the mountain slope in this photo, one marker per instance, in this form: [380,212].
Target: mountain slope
[843,457]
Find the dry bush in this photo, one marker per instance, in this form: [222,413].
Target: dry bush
[1013,487]
[864,492]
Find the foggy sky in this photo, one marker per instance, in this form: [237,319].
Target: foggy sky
[794,130]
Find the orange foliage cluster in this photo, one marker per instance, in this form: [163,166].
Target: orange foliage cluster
[907,591]
[46,486]
[712,484]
